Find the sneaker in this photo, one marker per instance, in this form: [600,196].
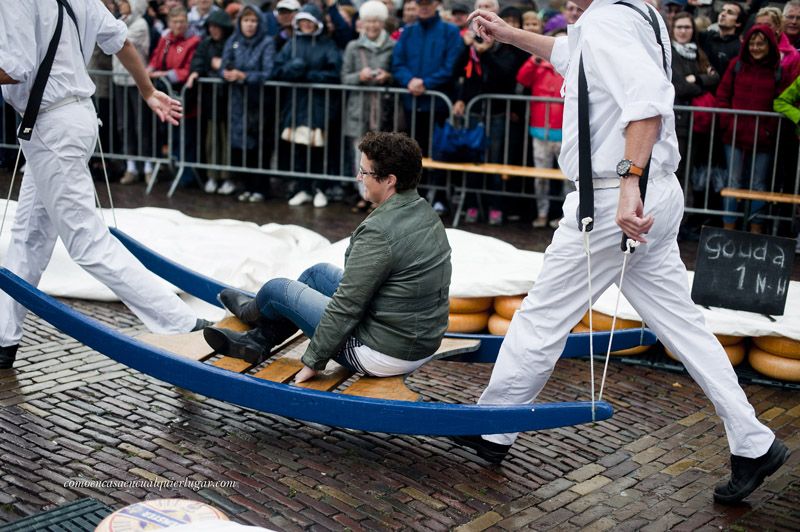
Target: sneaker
[320,199]
[244,196]
[494,453]
[256,197]
[472,216]
[439,208]
[554,223]
[748,473]
[540,223]
[129,178]
[210,186]
[300,198]
[227,188]
[495,217]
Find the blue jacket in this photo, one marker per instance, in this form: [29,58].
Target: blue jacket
[308,59]
[427,49]
[254,57]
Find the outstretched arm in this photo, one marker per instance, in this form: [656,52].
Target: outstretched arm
[488,24]
[5,79]
[167,109]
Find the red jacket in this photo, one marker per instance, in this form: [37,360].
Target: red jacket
[543,80]
[174,55]
[753,86]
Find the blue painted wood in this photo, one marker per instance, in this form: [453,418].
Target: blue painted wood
[207,289]
[577,345]
[190,281]
[376,415]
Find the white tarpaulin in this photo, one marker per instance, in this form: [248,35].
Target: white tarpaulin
[244,254]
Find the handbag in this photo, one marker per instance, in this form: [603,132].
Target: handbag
[702,119]
[465,145]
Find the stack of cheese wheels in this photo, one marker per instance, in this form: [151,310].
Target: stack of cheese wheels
[734,347]
[504,309]
[469,314]
[602,322]
[777,357]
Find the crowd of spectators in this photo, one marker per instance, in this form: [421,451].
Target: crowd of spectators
[725,55]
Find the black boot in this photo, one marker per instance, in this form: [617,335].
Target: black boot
[279,330]
[241,305]
[493,453]
[8,355]
[748,473]
[253,346]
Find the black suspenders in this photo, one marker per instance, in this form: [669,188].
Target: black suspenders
[586,188]
[43,72]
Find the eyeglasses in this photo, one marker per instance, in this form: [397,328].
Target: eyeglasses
[792,18]
[363,172]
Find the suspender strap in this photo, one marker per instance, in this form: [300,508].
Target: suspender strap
[39,83]
[654,23]
[586,187]
[71,14]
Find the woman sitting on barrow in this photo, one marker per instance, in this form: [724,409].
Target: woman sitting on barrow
[386,312]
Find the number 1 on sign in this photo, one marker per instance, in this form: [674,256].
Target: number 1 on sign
[741,269]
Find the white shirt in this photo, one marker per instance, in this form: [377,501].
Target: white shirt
[28,26]
[627,82]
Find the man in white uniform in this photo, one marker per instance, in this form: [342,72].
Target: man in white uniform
[631,122]
[57,194]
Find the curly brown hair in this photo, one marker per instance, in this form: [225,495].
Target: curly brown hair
[393,153]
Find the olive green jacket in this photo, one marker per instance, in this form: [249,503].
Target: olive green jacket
[393,296]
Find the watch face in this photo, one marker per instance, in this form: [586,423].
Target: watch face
[623,167]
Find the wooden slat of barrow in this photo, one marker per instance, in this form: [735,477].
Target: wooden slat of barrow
[190,345]
[281,370]
[393,388]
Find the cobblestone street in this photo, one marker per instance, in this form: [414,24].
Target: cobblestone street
[69,413]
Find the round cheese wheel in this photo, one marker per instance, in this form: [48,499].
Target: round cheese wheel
[777,367]
[468,323]
[469,305]
[727,339]
[158,514]
[779,345]
[498,324]
[735,352]
[581,328]
[602,322]
[506,306]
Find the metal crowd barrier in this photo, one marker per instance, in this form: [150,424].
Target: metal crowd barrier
[271,116]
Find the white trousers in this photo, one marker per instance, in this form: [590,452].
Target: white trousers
[57,200]
[655,284]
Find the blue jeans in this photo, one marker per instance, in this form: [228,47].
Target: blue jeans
[739,165]
[303,301]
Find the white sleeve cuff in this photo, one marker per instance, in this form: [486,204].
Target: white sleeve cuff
[642,110]
[559,56]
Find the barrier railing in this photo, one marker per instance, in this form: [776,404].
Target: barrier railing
[307,132]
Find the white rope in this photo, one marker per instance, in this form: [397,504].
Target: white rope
[108,185]
[584,224]
[10,189]
[629,245]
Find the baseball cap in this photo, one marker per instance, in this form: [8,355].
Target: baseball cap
[289,5]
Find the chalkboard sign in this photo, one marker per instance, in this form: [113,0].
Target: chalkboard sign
[743,271]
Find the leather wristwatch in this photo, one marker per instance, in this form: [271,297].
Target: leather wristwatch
[626,167]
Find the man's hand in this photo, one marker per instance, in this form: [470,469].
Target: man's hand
[416,87]
[305,374]
[488,25]
[167,109]
[630,211]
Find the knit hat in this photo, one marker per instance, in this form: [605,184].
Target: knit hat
[373,9]
[220,18]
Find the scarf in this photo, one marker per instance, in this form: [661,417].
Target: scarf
[687,51]
[364,41]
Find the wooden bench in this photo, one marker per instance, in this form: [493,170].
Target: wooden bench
[503,170]
[758,195]
[285,363]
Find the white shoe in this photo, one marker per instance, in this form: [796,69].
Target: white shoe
[129,178]
[256,197]
[540,223]
[244,196]
[300,198]
[320,200]
[227,188]
[211,186]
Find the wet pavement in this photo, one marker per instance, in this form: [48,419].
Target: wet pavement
[69,414]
